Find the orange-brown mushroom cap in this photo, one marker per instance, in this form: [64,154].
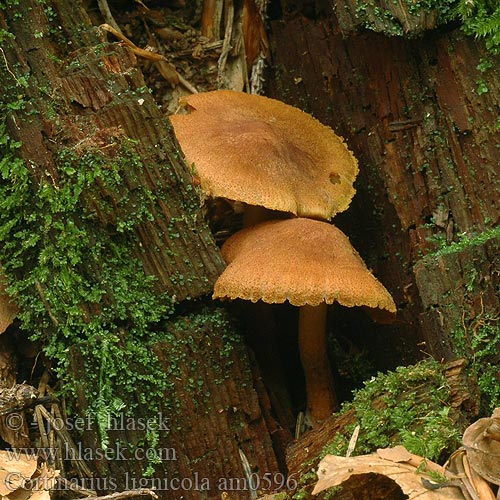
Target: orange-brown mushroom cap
[302,261]
[263,152]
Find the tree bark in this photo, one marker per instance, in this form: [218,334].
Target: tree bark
[426,136]
[90,99]
[210,418]
[86,94]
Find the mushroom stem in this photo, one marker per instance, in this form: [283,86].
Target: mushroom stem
[253,214]
[321,397]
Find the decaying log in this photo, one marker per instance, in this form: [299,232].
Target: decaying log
[426,135]
[211,416]
[307,449]
[96,97]
[392,18]
[86,95]
[459,293]
[224,409]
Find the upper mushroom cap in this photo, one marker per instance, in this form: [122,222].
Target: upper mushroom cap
[263,152]
[300,260]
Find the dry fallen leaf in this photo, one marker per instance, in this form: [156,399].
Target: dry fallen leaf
[22,479]
[480,485]
[483,449]
[40,495]
[493,430]
[400,454]
[334,471]
[397,454]
[14,470]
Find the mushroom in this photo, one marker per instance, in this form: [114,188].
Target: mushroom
[310,264]
[265,153]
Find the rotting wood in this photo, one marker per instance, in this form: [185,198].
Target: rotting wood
[176,242]
[426,140]
[211,413]
[88,94]
[307,449]
[459,292]
[395,17]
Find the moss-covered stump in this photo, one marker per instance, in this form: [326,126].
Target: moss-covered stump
[422,118]
[458,285]
[404,17]
[227,404]
[426,407]
[205,432]
[76,108]
[101,229]
[101,237]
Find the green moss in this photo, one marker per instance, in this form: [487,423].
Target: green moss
[478,340]
[376,17]
[69,249]
[304,483]
[464,242]
[411,410]
[481,19]
[78,284]
[408,406]
[207,334]
[280,496]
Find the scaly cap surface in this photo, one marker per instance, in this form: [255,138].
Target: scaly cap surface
[263,152]
[300,260]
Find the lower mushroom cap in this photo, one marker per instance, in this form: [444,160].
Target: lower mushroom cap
[302,261]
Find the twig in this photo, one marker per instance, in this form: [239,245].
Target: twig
[44,439]
[54,440]
[353,441]
[7,66]
[204,46]
[152,56]
[40,291]
[226,46]
[64,435]
[186,84]
[248,473]
[146,54]
[70,485]
[106,14]
[454,483]
[299,426]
